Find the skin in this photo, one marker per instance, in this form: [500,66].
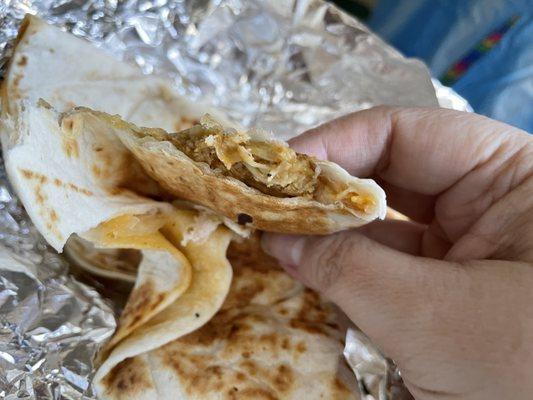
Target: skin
[449,294]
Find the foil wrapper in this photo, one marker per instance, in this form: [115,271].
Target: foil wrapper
[50,324]
[283,66]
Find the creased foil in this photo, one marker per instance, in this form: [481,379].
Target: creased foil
[278,65]
[50,324]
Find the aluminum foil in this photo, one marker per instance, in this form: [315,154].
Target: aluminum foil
[50,324]
[281,65]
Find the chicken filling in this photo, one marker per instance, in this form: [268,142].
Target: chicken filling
[270,167]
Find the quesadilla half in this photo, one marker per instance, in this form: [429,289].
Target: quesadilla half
[261,184]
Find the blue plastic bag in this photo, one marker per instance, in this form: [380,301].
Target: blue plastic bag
[447,34]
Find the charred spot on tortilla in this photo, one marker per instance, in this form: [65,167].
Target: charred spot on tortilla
[44,104]
[23,60]
[17,80]
[129,377]
[243,219]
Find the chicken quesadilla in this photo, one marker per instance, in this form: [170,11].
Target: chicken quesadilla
[144,187]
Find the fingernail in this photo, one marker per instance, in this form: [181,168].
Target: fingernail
[288,249]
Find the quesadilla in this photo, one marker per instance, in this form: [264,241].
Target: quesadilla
[260,184]
[77,172]
[88,187]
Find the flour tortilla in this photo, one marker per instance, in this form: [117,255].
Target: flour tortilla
[271,339]
[90,77]
[80,190]
[209,286]
[67,71]
[234,199]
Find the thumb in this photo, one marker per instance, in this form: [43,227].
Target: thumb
[390,295]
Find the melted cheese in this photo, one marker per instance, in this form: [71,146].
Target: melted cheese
[164,273]
[140,232]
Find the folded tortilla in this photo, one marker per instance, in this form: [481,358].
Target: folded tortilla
[75,176]
[272,339]
[87,187]
[260,184]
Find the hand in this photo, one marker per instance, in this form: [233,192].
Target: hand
[449,294]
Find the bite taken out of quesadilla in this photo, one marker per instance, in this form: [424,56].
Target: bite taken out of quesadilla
[258,183]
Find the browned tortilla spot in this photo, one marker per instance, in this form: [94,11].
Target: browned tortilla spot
[339,386]
[40,198]
[23,60]
[79,189]
[243,296]
[16,80]
[309,327]
[53,216]
[128,378]
[249,253]
[283,378]
[301,347]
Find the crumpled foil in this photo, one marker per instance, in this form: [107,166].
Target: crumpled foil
[280,65]
[50,325]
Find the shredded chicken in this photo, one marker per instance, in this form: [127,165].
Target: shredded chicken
[269,167]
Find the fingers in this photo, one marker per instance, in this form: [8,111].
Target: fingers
[382,290]
[403,236]
[421,312]
[423,151]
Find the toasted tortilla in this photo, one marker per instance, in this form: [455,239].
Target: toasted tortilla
[230,173]
[83,190]
[271,339]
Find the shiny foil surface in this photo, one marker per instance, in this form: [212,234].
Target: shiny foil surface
[50,325]
[280,65]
